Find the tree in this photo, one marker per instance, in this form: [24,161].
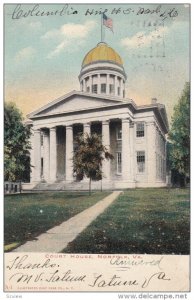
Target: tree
[88,157]
[16,145]
[179,135]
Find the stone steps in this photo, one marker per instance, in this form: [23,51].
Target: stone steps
[81,185]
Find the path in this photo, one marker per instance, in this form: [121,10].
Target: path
[57,238]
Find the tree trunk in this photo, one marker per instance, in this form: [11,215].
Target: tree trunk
[90,181]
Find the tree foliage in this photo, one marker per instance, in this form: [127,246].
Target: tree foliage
[16,145]
[179,134]
[88,157]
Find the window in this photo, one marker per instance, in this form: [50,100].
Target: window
[103,88]
[119,162]
[94,88]
[111,88]
[140,161]
[119,91]
[41,139]
[42,166]
[88,89]
[140,130]
[119,133]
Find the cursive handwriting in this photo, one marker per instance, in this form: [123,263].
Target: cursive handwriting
[56,276]
[163,14]
[35,11]
[118,262]
[115,280]
[19,263]
[159,276]
[158,11]
[25,272]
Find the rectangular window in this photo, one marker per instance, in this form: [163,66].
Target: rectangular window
[41,139]
[140,130]
[140,161]
[103,88]
[119,91]
[94,88]
[88,89]
[42,165]
[119,133]
[119,162]
[111,88]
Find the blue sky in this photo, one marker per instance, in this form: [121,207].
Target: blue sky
[43,55]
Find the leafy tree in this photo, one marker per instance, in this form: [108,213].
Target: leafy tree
[179,135]
[16,145]
[88,157]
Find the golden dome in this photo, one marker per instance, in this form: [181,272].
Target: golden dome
[102,52]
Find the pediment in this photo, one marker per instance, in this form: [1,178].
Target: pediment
[74,102]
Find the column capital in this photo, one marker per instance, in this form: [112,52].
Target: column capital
[86,124]
[53,128]
[69,127]
[37,130]
[106,122]
[125,120]
[131,124]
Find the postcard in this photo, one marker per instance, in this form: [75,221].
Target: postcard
[97,147]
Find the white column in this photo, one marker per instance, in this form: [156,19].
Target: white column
[53,154]
[132,152]
[116,85]
[122,87]
[99,85]
[32,179]
[125,150]
[86,128]
[151,152]
[107,84]
[37,155]
[69,153]
[84,85]
[46,156]
[90,83]
[106,143]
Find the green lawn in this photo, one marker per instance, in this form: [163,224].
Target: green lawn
[152,221]
[28,215]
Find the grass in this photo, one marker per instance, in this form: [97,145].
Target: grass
[152,221]
[28,215]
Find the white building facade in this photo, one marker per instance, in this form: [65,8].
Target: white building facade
[135,135]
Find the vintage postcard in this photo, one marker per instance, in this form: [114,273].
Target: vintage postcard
[97,147]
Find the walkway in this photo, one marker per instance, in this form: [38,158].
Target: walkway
[57,238]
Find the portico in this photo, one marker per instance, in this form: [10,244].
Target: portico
[53,149]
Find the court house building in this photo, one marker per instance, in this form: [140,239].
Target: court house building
[135,135]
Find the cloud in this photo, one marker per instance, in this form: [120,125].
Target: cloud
[71,31]
[25,54]
[67,35]
[35,25]
[58,49]
[142,39]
